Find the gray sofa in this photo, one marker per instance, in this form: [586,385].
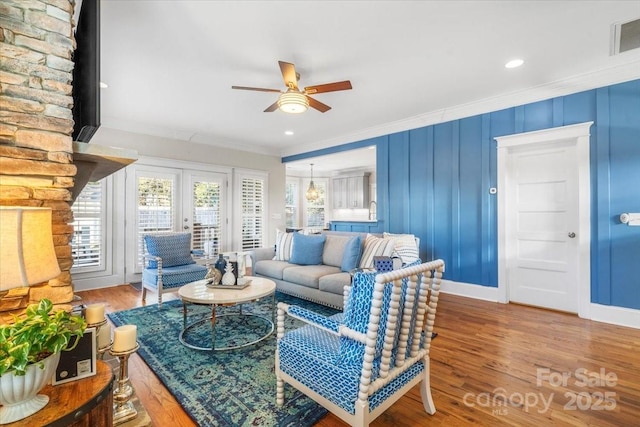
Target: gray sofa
[323,283]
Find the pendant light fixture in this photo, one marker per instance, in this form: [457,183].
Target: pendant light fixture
[312,193]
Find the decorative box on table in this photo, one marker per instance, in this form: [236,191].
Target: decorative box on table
[383,263]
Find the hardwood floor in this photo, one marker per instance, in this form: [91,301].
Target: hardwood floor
[491,365]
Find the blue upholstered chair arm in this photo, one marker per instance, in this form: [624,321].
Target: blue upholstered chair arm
[310,317]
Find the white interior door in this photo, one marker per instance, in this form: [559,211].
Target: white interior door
[542,210]
[544,218]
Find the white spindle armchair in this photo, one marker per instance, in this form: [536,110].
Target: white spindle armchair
[359,362]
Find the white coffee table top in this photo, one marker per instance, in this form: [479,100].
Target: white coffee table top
[199,293]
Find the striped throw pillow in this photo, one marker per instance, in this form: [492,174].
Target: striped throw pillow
[284,246]
[406,248]
[375,246]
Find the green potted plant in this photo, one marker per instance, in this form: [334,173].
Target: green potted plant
[29,354]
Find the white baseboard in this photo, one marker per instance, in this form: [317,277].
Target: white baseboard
[599,313]
[470,290]
[615,315]
[96,283]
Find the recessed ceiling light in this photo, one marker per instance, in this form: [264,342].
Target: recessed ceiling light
[288,132]
[103,85]
[514,63]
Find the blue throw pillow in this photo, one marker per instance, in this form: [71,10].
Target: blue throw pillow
[352,252]
[307,250]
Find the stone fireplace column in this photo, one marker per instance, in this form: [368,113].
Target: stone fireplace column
[36,124]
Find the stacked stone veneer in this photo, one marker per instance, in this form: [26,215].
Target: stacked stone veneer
[36,123]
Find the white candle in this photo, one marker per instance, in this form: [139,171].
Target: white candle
[94,313]
[104,336]
[124,338]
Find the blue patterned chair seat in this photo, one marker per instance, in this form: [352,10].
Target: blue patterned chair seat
[358,362]
[312,353]
[174,277]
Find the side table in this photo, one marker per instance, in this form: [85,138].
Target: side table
[85,402]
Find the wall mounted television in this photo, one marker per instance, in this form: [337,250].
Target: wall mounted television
[86,72]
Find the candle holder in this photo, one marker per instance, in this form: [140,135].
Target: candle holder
[101,350]
[123,409]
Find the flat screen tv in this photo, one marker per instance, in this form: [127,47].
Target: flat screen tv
[86,72]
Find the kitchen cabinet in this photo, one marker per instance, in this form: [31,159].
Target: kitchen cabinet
[351,192]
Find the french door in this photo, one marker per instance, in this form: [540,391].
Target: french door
[162,199]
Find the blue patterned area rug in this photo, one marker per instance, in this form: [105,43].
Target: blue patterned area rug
[224,388]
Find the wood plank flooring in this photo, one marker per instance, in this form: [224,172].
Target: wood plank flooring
[491,365]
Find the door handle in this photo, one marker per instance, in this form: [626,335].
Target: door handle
[572,235]
[186,227]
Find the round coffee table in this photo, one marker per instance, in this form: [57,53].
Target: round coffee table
[199,293]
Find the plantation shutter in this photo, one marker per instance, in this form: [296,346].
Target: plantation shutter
[253,200]
[155,208]
[206,233]
[88,227]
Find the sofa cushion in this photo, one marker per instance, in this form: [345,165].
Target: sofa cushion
[405,247]
[284,245]
[334,283]
[307,250]
[375,246]
[352,253]
[308,275]
[334,250]
[173,248]
[271,268]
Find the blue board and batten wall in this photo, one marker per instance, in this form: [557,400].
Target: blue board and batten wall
[434,182]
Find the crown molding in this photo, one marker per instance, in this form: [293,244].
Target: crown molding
[579,83]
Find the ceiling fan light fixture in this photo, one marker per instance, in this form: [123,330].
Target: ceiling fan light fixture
[293,102]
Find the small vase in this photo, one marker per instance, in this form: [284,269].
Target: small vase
[221,264]
[19,394]
[229,278]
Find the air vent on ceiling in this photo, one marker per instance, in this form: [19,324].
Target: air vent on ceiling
[625,36]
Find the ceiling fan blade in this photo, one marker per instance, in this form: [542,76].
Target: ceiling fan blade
[323,108]
[259,89]
[271,108]
[289,74]
[329,87]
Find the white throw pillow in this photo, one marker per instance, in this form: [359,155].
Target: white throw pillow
[375,246]
[284,246]
[405,248]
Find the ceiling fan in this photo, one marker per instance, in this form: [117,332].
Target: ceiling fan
[294,100]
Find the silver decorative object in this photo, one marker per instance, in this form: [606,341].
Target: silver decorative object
[123,409]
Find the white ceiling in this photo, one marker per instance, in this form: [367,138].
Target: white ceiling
[170,65]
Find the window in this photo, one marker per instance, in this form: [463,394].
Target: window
[315,211]
[88,228]
[291,203]
[253,212]
[206,217]
[155,208]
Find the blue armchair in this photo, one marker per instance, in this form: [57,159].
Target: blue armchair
[168,263]
[359,362]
